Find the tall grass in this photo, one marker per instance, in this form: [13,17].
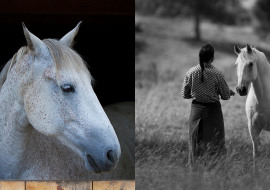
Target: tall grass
[162,114]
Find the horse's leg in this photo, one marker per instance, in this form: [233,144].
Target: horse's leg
[255,137]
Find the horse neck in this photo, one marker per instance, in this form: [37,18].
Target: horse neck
[261,85]
[14,130]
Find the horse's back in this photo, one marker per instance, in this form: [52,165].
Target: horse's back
[122,117]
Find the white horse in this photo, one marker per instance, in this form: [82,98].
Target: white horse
[52,125]
[253,71]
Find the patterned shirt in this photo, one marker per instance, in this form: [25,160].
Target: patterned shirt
[213,86]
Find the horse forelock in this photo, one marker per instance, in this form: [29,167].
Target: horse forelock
[66,58]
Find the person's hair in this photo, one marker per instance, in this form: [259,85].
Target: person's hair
[206,54]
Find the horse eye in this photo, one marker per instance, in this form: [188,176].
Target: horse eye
[67,88]
[250,64]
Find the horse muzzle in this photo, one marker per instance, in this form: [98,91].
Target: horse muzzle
[242,91]
[104,164]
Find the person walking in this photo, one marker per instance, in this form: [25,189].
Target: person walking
[204,84]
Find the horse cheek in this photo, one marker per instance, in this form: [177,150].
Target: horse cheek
[33,106]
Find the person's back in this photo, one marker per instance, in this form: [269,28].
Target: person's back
[204,84]
[210,89]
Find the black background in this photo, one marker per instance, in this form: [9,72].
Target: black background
[105,41]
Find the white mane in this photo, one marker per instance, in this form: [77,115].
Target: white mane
[16,57]
[259,57]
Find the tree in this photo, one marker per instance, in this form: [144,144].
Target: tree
[197,18]
[262,16]
[219,11]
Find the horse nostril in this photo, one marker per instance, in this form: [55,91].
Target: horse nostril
[244,90]
[110,156]
[92,162]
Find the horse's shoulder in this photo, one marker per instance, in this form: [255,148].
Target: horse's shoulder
[122,113]
[122,117]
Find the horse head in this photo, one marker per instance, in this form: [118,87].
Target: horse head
[246,64]
[59,101]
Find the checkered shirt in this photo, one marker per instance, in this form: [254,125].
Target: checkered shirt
[214,85]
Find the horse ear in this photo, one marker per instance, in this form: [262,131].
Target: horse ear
[249,49]
[69,37]
[237,50]
[33,42]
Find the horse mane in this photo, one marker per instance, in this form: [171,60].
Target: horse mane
[260,58]
[63,56]
[16,57]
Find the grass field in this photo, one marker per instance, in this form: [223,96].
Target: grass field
[164,51]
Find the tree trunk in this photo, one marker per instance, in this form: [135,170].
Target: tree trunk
[197,21]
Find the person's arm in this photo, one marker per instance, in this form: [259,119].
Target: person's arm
[223,88]
[186,90]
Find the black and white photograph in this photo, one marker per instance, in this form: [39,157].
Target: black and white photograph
[202,94]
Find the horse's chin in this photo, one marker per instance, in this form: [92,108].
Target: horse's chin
[243,94]
[91,165]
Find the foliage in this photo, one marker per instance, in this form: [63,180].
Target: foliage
[159,7]
[262,14]
[219,11]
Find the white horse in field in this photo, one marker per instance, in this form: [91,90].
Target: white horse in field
[253,71]
[52,125]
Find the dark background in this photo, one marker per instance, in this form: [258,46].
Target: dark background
[105,39]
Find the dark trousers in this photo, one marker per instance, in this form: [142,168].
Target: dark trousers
[206,130]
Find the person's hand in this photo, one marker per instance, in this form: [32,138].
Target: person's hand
[232,93]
